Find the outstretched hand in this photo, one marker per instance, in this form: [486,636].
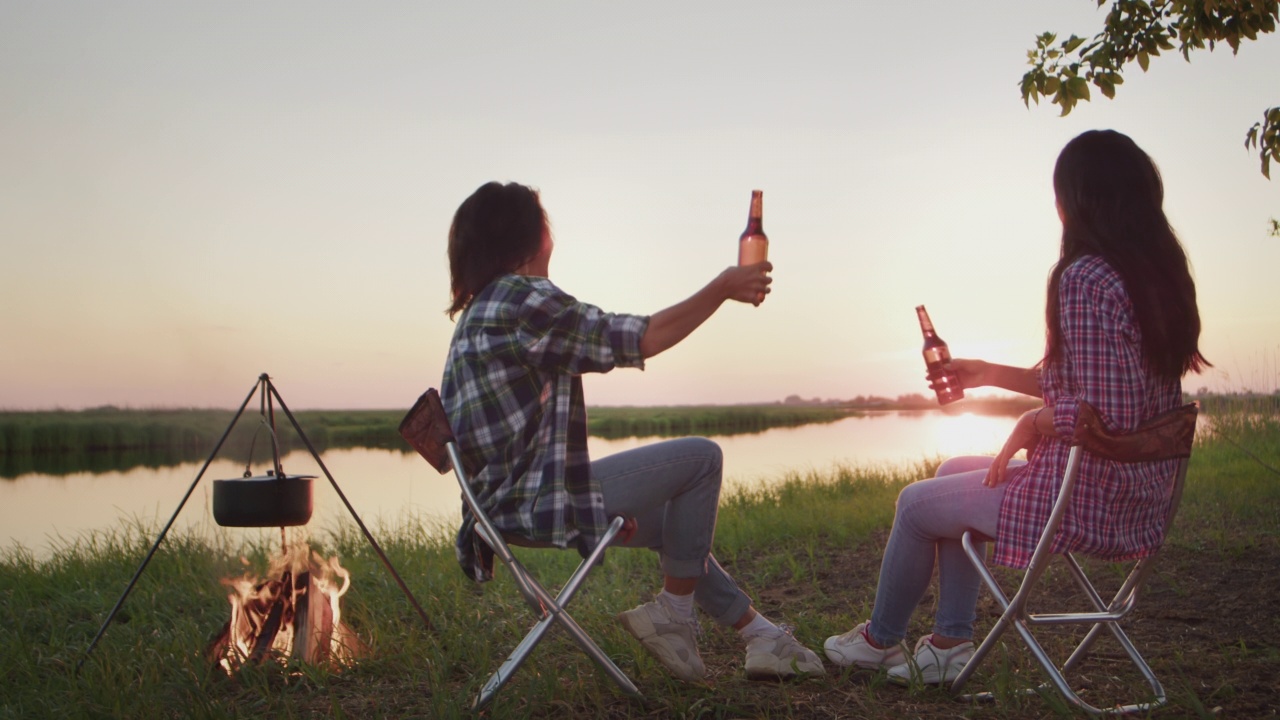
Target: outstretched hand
[747,283]
[1024,437]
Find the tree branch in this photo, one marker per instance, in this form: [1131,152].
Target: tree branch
[1136,31]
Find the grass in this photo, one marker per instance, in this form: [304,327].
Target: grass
[106,439]
[806,547]
[620,422]
[110,439]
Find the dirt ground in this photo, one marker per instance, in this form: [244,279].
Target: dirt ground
[1208,624]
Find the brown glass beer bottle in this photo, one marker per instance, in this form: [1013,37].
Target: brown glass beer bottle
[936,357]
[753,244]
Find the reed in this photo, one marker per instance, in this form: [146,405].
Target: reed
[806,547]
[676,421]
[106,439]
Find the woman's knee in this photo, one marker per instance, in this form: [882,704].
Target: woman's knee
[963,463]
[907,498]
[705,451]
[707,448]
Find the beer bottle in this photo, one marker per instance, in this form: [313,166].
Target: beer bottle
[753,244]
[936,358]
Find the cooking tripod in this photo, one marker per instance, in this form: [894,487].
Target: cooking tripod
[267,393]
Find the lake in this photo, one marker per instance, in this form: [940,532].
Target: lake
[387,487]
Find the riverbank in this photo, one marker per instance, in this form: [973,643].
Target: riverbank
[806,547]
[115,440]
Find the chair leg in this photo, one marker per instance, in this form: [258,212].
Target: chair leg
[979,654]
[513,662]
[593,650]
[552,610]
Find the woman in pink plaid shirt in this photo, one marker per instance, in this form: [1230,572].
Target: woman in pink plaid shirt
[1123,328]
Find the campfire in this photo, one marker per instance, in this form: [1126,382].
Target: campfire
[294,614]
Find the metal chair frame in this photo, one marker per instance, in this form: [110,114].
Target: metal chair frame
[1090,436]
[427,428]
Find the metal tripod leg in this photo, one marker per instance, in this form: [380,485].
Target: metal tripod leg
[264,383]
[129,588]
[368,536]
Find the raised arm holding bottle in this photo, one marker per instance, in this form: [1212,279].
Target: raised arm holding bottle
[512,389]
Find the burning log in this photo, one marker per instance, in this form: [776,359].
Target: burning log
[294,615]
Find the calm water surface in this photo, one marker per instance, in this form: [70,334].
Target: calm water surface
[41,512]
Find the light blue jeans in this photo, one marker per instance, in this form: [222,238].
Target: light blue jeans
[672,489]
[930,518]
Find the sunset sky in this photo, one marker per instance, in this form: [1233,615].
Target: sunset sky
[192,194]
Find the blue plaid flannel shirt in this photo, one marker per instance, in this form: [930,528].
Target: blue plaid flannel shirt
[512,389]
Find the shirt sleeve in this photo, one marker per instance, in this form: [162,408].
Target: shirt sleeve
[560,334]
[1102,349]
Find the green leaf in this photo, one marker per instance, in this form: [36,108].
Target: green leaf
[1078,87]
[1106,87]
[1071,44]
[1143,60]
[1051,86]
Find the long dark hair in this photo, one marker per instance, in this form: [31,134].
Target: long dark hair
[495,230]
[1111,198]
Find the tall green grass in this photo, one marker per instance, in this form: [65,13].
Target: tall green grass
[1236,466]
[779,539]
[107,439]
[620,422]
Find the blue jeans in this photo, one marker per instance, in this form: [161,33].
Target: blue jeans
[672,489]
[930,518]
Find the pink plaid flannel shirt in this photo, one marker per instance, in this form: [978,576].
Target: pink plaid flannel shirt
[1117,511]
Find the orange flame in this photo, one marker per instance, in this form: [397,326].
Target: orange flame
[296,613]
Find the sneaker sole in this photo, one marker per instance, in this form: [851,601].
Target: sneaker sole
[771,671]
[839,659]
[930,679]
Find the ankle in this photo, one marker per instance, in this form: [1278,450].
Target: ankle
[759,626]
[946,643]
[680,605]
[866,635]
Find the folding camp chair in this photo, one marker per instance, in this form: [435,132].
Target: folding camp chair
[427,429]
[1166,436]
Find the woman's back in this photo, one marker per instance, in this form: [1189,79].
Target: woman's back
[1118,509]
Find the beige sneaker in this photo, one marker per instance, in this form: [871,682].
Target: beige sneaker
[673,641]
[932,665]
[781,658]
[853,648]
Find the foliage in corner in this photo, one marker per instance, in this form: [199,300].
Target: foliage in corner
[1137,30]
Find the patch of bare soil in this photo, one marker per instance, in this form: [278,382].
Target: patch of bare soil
[1208,623]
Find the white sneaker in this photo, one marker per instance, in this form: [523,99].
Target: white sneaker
[672,640]
[853,648]
[932,665]
[781,658]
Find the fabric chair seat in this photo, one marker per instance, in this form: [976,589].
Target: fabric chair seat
[1165,436]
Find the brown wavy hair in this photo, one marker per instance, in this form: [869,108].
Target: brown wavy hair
[495,230]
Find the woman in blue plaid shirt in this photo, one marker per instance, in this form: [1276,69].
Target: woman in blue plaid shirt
[512,389]
[1123,328]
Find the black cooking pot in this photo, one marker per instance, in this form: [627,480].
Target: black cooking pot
[263,501]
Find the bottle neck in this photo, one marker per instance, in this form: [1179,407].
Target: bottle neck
[755,218]
[926,325]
